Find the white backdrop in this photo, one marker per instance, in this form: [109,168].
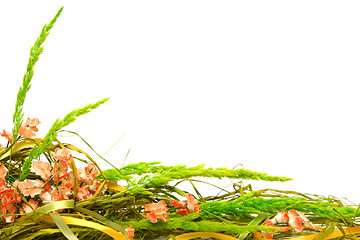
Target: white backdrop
[271,85]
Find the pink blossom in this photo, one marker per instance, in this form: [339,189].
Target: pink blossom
[65,190]
[282,218]
[29,127]
[8,208]
[27,209]
[91,170]
[297,220]
[83,193]
[59,171]
[8,195]
[48,197]
[42,169]
[130,231]
[3,171]
[156,211]
[83,177]
[30,187]
[3,186]
[64,155]
[6,135]
[268,235]
[182,207]
[192,203]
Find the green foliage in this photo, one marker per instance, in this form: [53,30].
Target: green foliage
[257,205]
[52,134]
[164,174]
[35,52]
[189,223]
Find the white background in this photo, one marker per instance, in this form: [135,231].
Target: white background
[271,85]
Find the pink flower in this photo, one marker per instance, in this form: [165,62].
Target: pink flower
[6,135]
[182,205]
[54,196]
[8,196]
[3,171]
[130,231]
[64,155]
[297,220]
[42,169]
[192,203]
[8,208]
[82,176]
[91,170]
[59,171]
[3,186]
[282,219]
[29,127]
[95,185]
[27,209]
[156,211]
[83,193]
[50,197]
[65,190]
[30,187]
[268,235]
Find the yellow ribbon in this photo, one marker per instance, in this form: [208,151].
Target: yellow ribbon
[334,234]
[114,186]
[84,223]
[19,146]
[220,236]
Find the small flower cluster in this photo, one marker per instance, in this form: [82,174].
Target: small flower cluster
[159,210]
[283,220]
[57,181]
[27,130]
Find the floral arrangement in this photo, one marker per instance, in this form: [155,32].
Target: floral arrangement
[46,195]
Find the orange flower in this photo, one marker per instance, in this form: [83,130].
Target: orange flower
[42,169]
[87,174]
[59,171]
[3,171]
[8,208]
[297,220]
[3,186]
[130,231]
[268,235]
[30,187]
[192,203]
[64,155]
[65,190]
[8,136]
[156,211]
[29,127]
[27,209]
[83,193]
[8,196]
[182,207]
[50,197]
[282,220]
[91,170]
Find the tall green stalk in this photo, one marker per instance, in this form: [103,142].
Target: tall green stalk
[35,52]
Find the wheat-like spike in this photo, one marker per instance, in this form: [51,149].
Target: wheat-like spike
[35,52]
